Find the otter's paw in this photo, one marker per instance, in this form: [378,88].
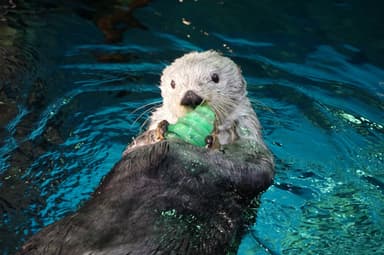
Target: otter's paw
[211,142]
[161,129]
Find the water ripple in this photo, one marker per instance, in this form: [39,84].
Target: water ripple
[242,42]
[322,114]
[142,67]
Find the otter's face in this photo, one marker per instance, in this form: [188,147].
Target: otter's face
[205,77]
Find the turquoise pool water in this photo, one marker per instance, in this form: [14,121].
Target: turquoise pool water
[75,89]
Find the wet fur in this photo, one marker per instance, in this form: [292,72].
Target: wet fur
[162,198]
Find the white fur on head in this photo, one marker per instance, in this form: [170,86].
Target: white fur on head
[194,72]
[226,95]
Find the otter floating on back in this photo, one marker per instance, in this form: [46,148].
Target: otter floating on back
[168,196]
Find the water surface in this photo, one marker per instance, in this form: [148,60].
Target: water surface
[78,80]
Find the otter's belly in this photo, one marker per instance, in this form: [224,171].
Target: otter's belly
[162,198]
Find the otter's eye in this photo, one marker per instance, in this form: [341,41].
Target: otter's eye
[215,78]
[173,84]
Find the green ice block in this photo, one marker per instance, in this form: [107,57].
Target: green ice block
[194,127]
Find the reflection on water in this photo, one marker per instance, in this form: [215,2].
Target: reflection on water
[77,81]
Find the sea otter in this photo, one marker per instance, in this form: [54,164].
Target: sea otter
[166,196]
[210,78]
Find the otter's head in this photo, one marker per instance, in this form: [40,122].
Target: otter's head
[198,78]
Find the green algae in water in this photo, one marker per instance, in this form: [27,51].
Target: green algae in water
[194,127]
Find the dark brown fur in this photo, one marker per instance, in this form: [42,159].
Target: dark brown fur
[164,198]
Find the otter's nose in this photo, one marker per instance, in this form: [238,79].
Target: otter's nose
[191,99]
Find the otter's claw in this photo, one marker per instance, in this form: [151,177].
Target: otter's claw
[209,141]
[161,129]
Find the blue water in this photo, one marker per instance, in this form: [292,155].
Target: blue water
[315,74]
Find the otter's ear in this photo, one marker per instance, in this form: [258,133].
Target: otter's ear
[239,69]
[243,82]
